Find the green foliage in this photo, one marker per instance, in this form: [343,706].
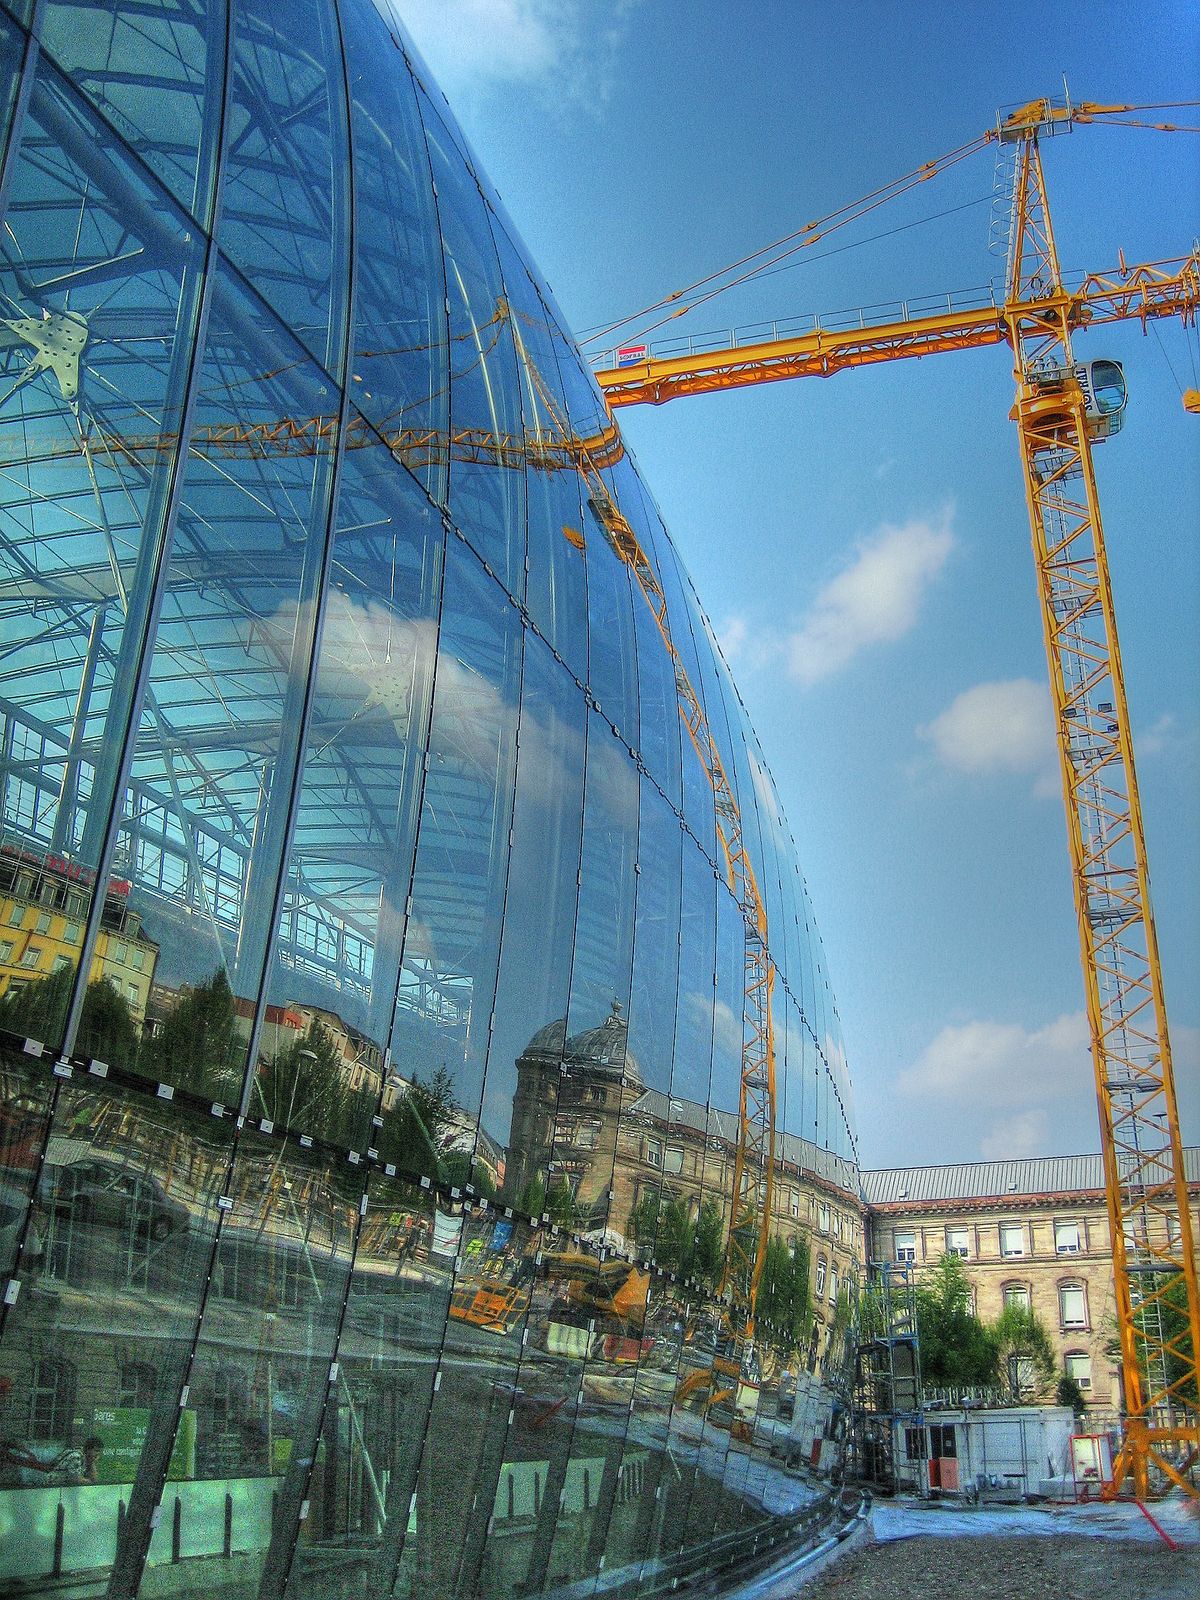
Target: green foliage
[532,1198]
[784,1313]
[956,1348]
[107,1030]
[198,1046]
[1026,1354]
[419,1133]
[1070,1394]
[691,1246]
[304,1087]
[1163,1311]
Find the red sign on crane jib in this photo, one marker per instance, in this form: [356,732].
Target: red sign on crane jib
[630,354]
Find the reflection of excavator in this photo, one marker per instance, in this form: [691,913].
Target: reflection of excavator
[614,1290]
[1062,408]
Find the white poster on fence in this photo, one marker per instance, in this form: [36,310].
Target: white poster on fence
[447,1231]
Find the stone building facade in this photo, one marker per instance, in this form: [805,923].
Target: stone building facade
[1031,1232]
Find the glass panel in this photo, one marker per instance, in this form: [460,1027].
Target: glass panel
[100,279]
[26,1102]
[487,470]
[96,1347]
[207,808]
[557,579]
[452,944]
[597,1080]
[285,212]
[157,74]
[468,1463]
[330,996]
[399,362]
[374,1425]
[529,1020]
[259,1379]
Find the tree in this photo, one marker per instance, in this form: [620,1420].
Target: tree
[679,1242]
[956,1348]
[1026,1354]
[304,1087]
[198,1046]
[420,1130]
[1070,1394]
[107,1029]
[783,1311]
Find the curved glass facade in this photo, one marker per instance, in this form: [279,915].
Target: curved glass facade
[372,987]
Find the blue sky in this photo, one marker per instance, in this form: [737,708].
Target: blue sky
[861,543]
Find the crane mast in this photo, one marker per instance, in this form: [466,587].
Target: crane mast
[1058,421]
[1154,1270]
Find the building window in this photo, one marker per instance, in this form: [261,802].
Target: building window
[822,1268]
[906,1246]
[52,1401]
[957,1242]
[15,916]
[1078,1365]
[833,1286]
[653,1153]
[137,1386]
[1016,1296]
[674,1158]
[73,933]
[1012,1239]
[794,1203]
[43,922]
[823,1217]
[1066,1238]
[139,960]
[6,950]
[1072,1305]
[31,956]
[62,964]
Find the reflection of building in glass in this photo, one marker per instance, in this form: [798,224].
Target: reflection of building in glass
[43,908]
[365,1227]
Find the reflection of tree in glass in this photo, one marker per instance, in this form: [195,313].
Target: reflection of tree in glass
[679,1242]
[784,1314]
[198,1047]
[304,1087]
[107,1028]
[420,1131]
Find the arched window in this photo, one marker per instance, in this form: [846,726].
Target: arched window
[1015,1295]
[1072,1304]
[822,1268]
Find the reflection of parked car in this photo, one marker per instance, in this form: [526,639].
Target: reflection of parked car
[114,1195]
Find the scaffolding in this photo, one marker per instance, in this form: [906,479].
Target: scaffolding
[888,1398]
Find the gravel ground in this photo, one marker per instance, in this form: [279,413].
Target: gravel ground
[1063,1567]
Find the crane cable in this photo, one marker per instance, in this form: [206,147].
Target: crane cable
[807,235]
[853,210]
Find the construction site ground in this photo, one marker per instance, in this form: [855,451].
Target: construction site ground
[1085,1552]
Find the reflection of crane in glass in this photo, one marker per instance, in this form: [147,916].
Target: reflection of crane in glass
[1062,409]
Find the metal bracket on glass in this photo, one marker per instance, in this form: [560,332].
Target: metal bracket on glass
[34,1047]
[62,1068]
[11,1290]
[98,1069]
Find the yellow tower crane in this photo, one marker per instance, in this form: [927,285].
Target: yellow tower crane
[1062,409]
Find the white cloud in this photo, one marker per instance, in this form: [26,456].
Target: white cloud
[997,727]
[731,636]
[477,46]
[1024,1134]
[1000,1065]
[874,600]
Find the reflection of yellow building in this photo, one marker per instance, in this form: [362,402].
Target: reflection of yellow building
[43,911]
